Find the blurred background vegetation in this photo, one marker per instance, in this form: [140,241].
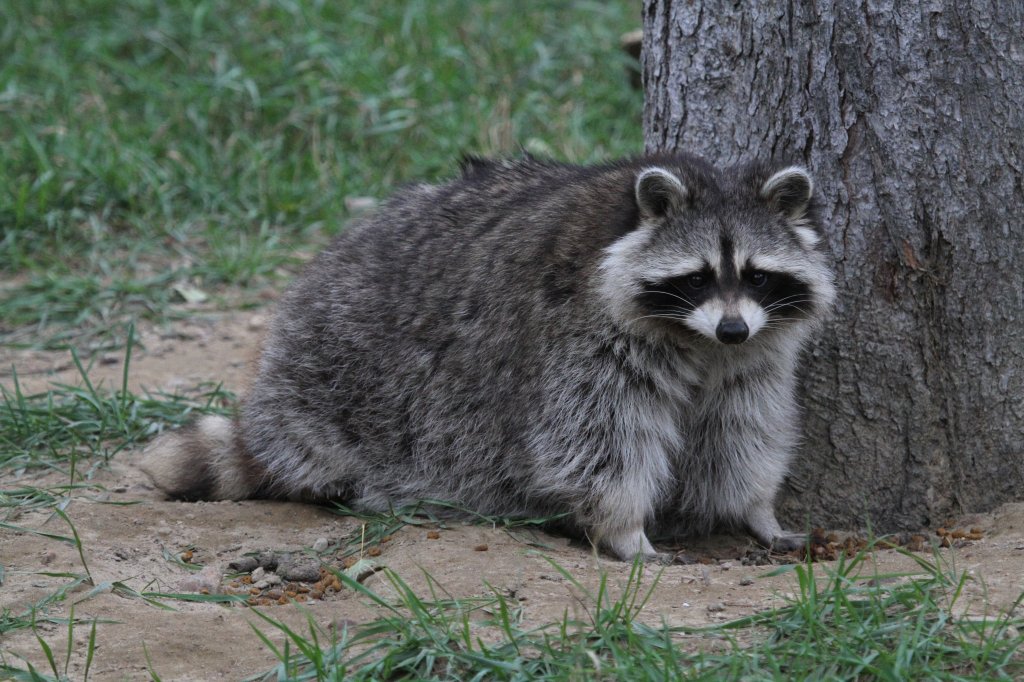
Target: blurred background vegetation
[152,151]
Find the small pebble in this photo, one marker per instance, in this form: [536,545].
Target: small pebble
[244,565]
[258,573]
[715,607]
[320,545]
[300,570]
[747,581]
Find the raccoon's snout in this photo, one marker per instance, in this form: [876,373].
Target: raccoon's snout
[732,330]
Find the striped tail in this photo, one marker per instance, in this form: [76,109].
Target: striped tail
[205,460]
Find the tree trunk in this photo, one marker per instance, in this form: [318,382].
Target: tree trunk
[911,117]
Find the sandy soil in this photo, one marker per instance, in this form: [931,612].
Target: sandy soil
[134,544]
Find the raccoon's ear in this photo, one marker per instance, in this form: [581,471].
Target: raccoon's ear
[659,191]
[790,190]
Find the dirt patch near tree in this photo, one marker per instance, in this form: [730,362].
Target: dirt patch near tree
[132,537]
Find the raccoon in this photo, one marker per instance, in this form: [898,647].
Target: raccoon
[612,343]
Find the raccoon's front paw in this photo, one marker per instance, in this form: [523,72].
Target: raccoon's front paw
[765,527]
[626,545]
[788,542]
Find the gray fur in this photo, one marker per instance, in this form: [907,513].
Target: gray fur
[487,342]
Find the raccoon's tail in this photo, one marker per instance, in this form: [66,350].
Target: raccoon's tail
[205,460]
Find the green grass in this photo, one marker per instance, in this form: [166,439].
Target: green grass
[66,426]
[845,623]
[438,638]
[145,144]
[848,621]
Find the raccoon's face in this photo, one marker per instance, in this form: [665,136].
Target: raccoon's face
[728,299]
[719,260]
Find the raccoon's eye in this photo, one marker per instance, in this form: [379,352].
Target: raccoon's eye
[696,281]
[758,278]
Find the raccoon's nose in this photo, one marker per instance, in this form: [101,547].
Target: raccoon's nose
[732,330]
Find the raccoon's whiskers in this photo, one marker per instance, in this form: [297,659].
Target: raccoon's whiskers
[796,308]
[680,296]
[675,318]
[787,301]
[790,304]
[779,322]
[791,320]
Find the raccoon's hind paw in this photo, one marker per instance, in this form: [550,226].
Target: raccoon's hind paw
[199,462]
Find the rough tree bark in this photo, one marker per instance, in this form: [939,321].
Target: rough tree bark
[911,116]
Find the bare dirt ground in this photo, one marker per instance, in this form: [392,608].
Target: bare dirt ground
[136,545]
